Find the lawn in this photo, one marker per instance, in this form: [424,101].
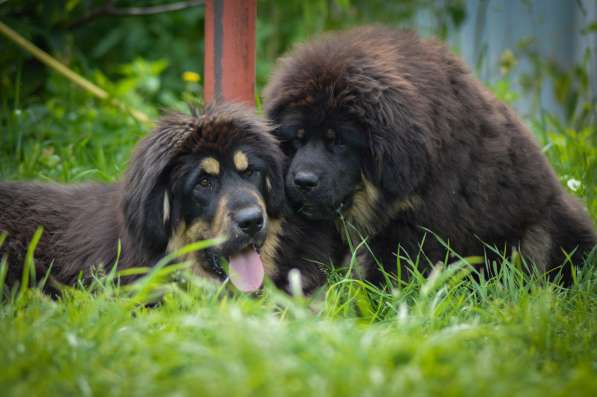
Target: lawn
[444,335]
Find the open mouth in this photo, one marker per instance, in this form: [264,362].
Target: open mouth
[245,268]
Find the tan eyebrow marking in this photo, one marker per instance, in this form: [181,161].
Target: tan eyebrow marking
[210,165]
[300,133]
[241,162]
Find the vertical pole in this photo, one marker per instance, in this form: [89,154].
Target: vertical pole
[230,50]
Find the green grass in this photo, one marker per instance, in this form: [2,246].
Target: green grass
[444,335]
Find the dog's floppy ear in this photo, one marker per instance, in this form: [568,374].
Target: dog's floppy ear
[397,164]
[147,203]
[398,157]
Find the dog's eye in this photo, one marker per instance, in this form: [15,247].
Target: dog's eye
[248,172]
[299,138]
[204,182]
[332,138]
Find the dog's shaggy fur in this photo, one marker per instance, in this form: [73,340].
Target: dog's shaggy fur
[184,183]
[395,134]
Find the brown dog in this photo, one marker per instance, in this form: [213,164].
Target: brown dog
[394,135]
[215,174]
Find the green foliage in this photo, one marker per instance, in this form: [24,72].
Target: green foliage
[574,155]
[104,43]
[446,334]
[71,137]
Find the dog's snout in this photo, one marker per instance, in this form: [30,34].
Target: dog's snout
[250,220]
[306,180]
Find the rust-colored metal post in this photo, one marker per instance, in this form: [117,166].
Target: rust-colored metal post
[230,50]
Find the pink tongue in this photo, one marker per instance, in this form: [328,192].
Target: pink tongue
[246,270]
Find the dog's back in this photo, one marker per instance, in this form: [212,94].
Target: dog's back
[80,226]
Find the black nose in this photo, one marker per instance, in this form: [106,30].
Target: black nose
[249,220]
[306,180]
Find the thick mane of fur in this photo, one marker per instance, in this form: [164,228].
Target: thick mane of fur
[437,138]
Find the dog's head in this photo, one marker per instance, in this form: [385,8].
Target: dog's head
[350,125]
[211,175]
[326,158]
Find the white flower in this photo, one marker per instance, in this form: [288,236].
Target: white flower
[573,184]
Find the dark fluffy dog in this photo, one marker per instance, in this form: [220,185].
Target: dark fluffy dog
[195,177]
[394,133]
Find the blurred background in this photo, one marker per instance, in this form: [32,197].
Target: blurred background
[540,56]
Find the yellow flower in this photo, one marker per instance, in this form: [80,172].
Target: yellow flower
[191,77]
